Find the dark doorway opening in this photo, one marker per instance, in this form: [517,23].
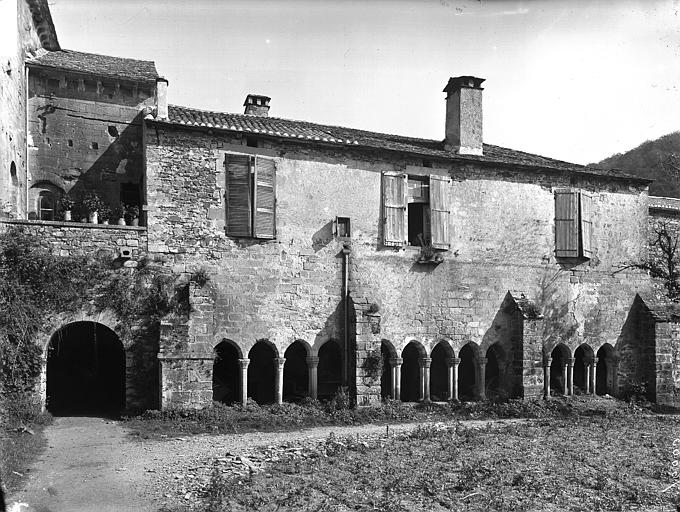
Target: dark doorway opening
[329,372]
[492,374]
[410,373]
[439,373]
[387,352]
[583,356]
[226,381]
[467,374]
[261,373]
[605,371]
[295,373]
[559,355]
[85,371]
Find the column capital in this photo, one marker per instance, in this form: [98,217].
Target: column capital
[280,360]
[396,361]
[594,360]
[482,361]
[571,361]
[453,361]
[244,363]
[547,361]
[313,360]
[425,361]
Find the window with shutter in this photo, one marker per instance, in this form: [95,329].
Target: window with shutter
[395,190]
[573,224]
[239,206]
[264,200]
[439,211]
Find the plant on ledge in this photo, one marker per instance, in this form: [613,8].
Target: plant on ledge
[428,254]
[92,204]
[131,214]
[66,204]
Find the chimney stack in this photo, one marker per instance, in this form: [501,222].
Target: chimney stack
[161,98]
[257,105]
[464,115]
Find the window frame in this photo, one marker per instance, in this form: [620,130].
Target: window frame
[573,224]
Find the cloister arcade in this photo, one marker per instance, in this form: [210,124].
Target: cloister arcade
[587,372]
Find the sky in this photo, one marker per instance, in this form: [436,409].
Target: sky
[574,80]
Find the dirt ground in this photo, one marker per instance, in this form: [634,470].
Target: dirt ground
[92,464]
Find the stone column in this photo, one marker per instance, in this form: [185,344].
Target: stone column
[312,366]
[570,376]
[453,363]
[280,362]
[586,365]
[396,381]
[244,380]
[546,377]
[481,387]
[565,384]
[593,376]
[425,364]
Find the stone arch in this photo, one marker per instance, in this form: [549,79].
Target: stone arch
[226,374]
[262,371]
[495,381]
[296,371]
[85,370]
[388,353]
[439,371]
[560,356]
[43,200]
[411,355]
[583,358]
[605,371]
[329,372]
[467,371]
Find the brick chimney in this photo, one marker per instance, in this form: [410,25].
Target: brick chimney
[464,115]
[161,98]
[257,105]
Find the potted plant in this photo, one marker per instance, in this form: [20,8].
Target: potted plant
[132,214]
[428,254]
[66,203]
[118,215]
[104,213]
[93,203]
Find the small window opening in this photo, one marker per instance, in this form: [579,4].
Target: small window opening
[427,163]
[418,210]
[251,142]
[70,143]
[113,131]
[46,205]
[342,227]
[94,145]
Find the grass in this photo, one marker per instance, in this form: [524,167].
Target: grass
[613,463]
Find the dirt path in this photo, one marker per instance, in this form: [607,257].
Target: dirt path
[91,464]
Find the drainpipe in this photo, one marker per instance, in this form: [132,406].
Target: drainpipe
[346,250]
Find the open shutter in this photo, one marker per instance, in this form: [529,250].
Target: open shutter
[238,195]
[264,222]
[566,223]
[395,190]
[586,224]
[439,211]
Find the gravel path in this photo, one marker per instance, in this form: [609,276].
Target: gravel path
[91,464]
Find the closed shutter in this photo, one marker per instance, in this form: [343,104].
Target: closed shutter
[566,223]
[265,198]
[238,195]
[586,224]
[395,189]
[439,211]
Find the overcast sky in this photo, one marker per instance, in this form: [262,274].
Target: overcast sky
[574,80]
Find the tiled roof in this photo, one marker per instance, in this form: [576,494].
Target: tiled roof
[100,65]
[42,20]
[303,130]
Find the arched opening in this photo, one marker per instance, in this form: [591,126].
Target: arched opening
[46,205]
[493,379]
[85,371]
[226,378]
[605,376]
[387,352]
[410,372]
[467,373]
[295,373]
[329,373]
[439,372]
[583,357]
[560,356]
[262,373]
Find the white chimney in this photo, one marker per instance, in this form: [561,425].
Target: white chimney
[464,115]
[161,98]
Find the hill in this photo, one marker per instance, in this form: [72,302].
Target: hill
[655,159]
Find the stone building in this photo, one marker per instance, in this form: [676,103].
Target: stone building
[394,266]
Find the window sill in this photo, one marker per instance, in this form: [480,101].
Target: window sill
[58,223]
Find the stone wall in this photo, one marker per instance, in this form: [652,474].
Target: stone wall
[502,226]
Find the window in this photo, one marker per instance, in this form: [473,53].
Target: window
[415,210]
[129,194]
[342,227]
[573,224]
[46,205]
[251,196]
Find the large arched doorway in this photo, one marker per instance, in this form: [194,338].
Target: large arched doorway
[493,377]
[439,372]
[410,372]
[329,372]
[85,371]
[262,373]
[295,373]
[387,352]
[467,373]
[560,357]
[605,371]
[583,357]
[226,379]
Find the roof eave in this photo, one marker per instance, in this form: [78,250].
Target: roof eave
[38,65]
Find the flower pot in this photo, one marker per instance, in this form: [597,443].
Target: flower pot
[67,215]
[121,222]
[105,221]
[94,218]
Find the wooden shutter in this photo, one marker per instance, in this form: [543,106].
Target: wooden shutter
[264,213]
[395,190]
[239,208]
[586,224]
[566,223]
[439,211]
